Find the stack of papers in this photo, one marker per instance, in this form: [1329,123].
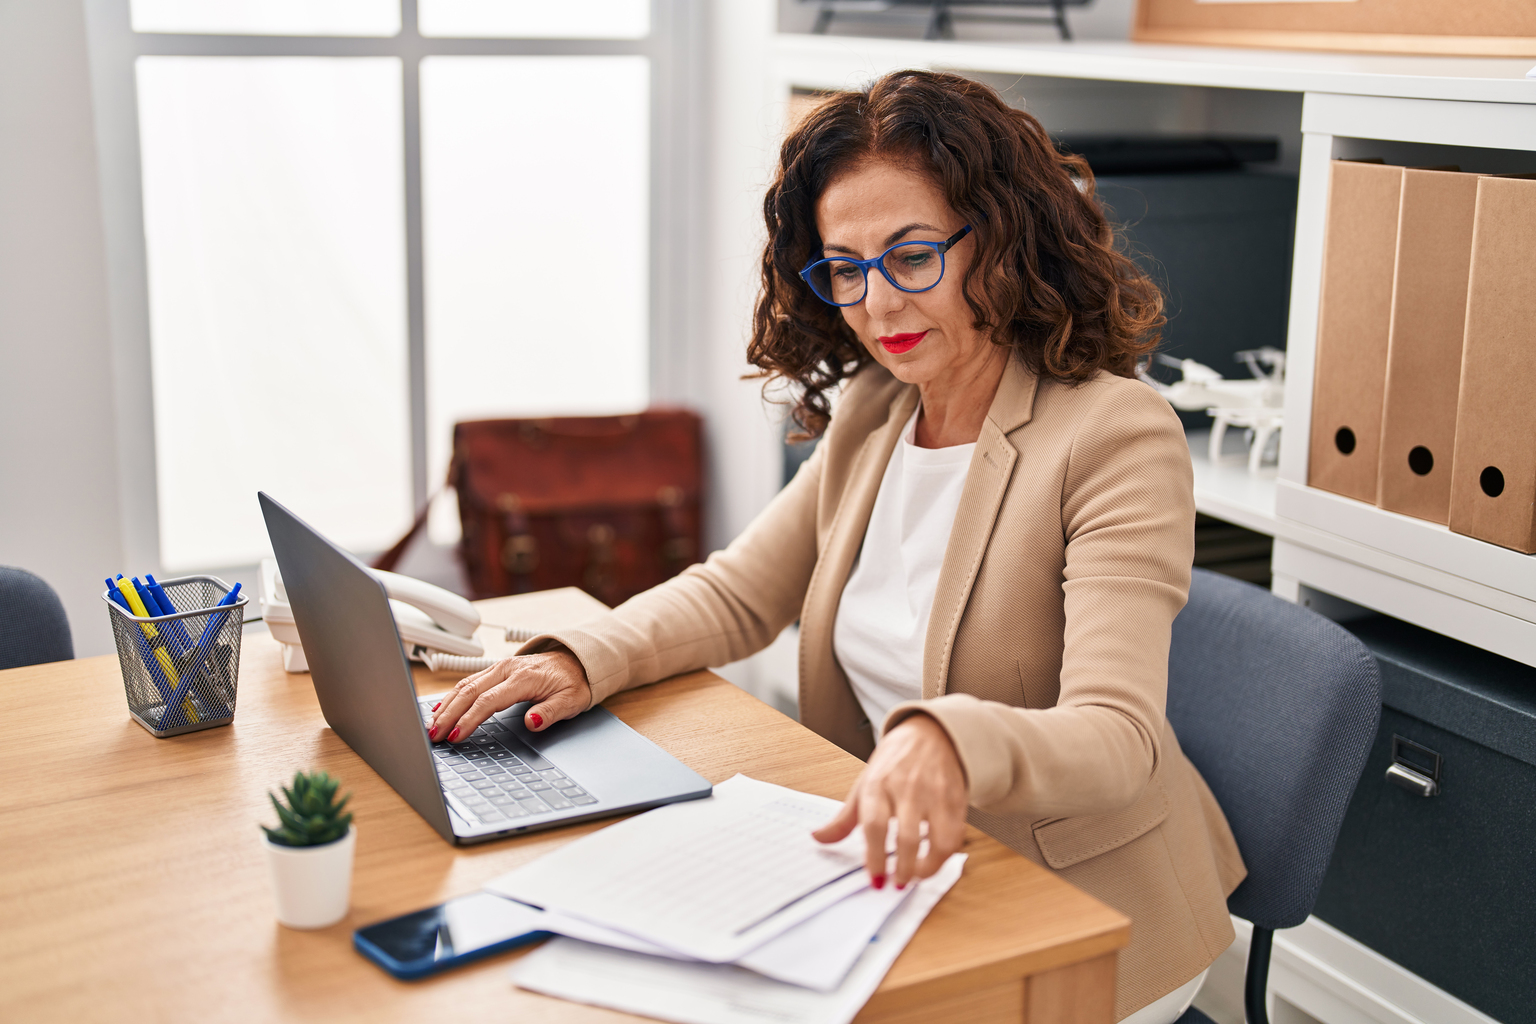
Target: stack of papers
[720,909]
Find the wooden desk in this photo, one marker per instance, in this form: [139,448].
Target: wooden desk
[133,884]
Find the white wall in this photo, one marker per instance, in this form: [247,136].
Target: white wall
[58,458]
[738,125]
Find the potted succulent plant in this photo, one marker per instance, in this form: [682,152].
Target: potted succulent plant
[310,852]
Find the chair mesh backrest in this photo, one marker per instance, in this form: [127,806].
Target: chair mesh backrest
[33,626]
[1277,707]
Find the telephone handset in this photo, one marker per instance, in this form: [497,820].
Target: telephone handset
[430,620]
[431,616]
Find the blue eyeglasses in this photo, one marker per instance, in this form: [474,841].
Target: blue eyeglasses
[909,266]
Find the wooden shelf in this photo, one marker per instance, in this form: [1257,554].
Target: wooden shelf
[842,62]
[1227,490]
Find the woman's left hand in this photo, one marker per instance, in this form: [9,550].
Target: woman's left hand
[914,776]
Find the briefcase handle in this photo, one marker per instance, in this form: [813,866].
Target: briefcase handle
[595,426]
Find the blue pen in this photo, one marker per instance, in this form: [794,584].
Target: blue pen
[150,600]
[161,598]
[177,630]
[161,648]
[177,642]
[173,714]
[155,609]
[146,653]
[204,649]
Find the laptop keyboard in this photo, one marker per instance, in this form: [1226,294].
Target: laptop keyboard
[493,779]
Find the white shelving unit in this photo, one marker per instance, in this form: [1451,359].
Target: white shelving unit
[1225,489]
[841,62]
[1407,109]
[1418,571]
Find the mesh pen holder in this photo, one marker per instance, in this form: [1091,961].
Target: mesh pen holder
[179,670]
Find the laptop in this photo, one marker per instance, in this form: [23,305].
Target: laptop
[503,780]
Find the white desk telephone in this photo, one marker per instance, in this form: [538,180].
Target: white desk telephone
[436,626]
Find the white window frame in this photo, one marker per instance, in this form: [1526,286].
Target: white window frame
[674,49]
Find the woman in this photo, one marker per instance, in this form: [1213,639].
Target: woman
[989,545]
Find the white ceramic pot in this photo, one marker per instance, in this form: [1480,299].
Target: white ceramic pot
[312,884]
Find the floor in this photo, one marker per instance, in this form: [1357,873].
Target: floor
[1221,997]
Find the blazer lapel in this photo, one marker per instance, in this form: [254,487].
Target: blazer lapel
[986,481]
[824,708]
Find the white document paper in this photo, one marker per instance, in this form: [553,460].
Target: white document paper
[711,879]
[705,993]
[816,954]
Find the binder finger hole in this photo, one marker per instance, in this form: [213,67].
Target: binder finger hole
[1344,440]
[1421,460]
[1492,481]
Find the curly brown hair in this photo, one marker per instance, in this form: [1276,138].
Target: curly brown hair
[1048,280]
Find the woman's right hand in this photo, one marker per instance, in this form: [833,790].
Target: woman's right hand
[555,681]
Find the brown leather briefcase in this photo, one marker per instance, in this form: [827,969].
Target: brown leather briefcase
[609,504]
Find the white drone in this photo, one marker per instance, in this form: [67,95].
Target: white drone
[1252,405]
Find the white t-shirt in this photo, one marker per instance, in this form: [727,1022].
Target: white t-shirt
[882,619]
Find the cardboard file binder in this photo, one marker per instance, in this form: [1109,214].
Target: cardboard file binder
[1354,315]
[1429,312]
[1493,483]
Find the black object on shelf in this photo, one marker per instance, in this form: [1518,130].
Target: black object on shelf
[942,14]
[1169,154]
[1233,550]
[1434,863]
[1215,234]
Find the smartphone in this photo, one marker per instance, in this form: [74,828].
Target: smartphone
[427,941]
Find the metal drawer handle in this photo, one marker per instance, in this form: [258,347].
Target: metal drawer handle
[1414,767]
[1412,781]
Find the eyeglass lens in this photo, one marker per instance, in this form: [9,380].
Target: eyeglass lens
[913,268]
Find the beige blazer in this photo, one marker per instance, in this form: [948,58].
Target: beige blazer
[1046,658]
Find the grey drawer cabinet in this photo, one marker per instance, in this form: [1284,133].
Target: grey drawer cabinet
[1445,884]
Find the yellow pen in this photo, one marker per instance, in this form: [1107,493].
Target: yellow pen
[162,656]
[136,605]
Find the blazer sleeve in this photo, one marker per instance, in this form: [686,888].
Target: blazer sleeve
[730,606]
[1127,519]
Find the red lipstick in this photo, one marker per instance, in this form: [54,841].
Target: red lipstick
[896,344]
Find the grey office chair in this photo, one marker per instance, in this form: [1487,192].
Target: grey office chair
[33,627]
[1277,707]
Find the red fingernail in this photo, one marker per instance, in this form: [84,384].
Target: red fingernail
[432,734]
[879,882]
[902,886]
[537,719]
[437,705]
[453,735]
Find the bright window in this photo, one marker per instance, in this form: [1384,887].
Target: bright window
[357,235]
[274,221]
[269,17]
[536,238]
[535,19]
